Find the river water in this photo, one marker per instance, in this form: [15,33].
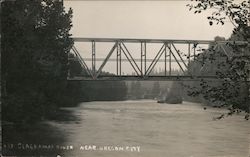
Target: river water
[145,128]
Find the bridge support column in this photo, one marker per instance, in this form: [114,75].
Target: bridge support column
[165,59]
[170,60]
[143,59]
[94,59]
[118,60]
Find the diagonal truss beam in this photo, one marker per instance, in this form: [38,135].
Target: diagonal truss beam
[106,59]
[81,61]
[155,60]
[131,59]
[178,52]
[171,52]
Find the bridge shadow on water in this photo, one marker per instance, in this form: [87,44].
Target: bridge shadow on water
[38,139]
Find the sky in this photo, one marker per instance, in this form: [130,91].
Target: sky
[142,19]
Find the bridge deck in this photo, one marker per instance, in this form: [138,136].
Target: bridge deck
[148,78]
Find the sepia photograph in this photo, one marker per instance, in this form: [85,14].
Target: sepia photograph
[125,78]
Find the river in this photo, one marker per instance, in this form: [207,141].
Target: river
[146,129]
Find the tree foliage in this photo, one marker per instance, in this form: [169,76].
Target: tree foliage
[237,13]
[35,44]
[232,69]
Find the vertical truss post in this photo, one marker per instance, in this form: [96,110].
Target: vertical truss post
[165,59]
[194,50]
[118,59]
[188,53]
[94,58]
[143,58]
[170,59]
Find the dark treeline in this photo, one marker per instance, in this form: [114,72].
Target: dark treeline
[36,42]
[231,68]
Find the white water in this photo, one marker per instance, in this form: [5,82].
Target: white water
[160,130]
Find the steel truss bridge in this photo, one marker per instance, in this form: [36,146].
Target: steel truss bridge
[169,54]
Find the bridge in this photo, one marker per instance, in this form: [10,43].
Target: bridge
[175,55]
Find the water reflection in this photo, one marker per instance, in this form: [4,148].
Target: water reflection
[36,139]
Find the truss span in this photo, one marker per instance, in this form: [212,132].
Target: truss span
[169,52]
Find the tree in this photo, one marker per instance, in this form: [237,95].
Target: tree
[233,90]
[35,45]
[75,67]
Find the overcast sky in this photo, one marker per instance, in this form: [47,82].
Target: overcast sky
[139,19]
[142,19]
